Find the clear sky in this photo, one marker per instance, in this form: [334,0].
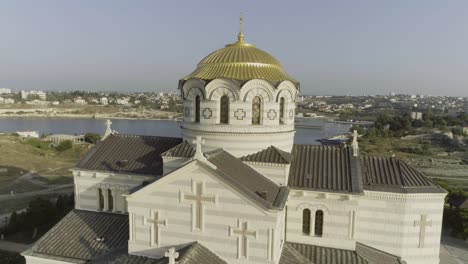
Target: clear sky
[332,47]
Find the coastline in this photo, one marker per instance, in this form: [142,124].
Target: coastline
[81,116]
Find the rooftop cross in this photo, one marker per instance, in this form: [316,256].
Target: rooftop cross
[172,255]
[108,129]
[240,37]
[198,151]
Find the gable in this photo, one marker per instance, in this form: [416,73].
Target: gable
[188,175]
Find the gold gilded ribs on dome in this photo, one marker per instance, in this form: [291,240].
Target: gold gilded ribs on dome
[240,61]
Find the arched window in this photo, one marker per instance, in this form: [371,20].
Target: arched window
[256,110]
[318,223]
[224,110]
[282,110]
[197,108]
[100,199]
[306,222]
[110,200]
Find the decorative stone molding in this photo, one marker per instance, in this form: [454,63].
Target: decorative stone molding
[228,87]
[110,186]
[291,113]
[197,83]
[289,86]
[207,113]
[193,92]
[240,114]
[186,112]
[271,114]
[312,207]
[257,88]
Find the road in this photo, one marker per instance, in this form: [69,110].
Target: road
[64,188]
[13,247]
[453,251]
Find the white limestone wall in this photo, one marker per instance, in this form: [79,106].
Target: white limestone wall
[87,184]
[37,260]
[386,221]
[241,144]
[166,198]
[339,226]
[278,173]
[271,131]
[171,164]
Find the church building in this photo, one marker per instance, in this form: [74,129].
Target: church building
[236,189]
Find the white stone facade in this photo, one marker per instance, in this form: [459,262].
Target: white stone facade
[386,221]
[220,217]
[88,183]
[238,135]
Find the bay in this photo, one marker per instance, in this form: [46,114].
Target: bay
[167,128]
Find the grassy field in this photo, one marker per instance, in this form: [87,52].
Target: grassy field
[31,164]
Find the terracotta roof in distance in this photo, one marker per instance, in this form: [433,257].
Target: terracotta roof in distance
[269,155]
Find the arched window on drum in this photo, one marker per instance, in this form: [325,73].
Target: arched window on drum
[256,110]
[282,110]
[197,109]
[318,223]
[224,110]
[306,222]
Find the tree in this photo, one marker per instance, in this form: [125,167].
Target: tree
[360,130]
[92,138]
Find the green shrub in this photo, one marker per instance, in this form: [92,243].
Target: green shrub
[64,145]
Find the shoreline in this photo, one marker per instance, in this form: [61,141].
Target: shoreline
[71,116]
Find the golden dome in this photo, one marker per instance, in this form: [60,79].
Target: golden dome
[240,61]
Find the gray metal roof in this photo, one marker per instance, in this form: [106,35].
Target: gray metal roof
[394,175]
[76,237]
[269,155]
[319,255]
[194,253]
[248,180]
[325,168]
[376,256]
[183,150]
[128,154]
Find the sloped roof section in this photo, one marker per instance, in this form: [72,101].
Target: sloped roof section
[394,175]
[325,168]
[183,150]
[374,255]
[319,255]
[128,154]
[194,253]
[248,180]
[269,155]
[82,236]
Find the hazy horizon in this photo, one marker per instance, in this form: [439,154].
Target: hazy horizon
[360,47]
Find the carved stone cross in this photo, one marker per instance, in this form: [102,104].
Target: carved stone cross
[243,233]
[172,255]
[198,142]
[155,222]
[422,228]
[197,206]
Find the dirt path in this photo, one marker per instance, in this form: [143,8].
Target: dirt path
[13,247]
[64,188]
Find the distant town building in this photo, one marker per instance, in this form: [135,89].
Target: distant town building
[465,130]
[55,103]
[58,138]
[104,101]
[25,94]
[28,134]
[79,100]
[416,115]
[5,91]
[121,101]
